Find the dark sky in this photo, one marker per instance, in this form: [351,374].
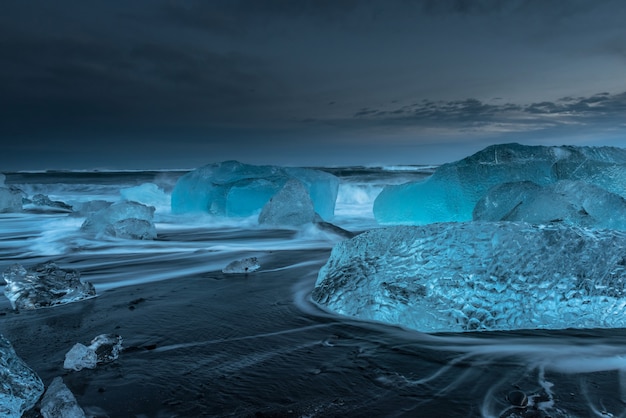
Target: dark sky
[182,83]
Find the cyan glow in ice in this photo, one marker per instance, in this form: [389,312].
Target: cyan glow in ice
[234,189]
[454,277]
[451,193]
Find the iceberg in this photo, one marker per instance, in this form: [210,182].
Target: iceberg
[244,266]
[291,206]
[479,276]
[451,193]
[569,201]
[10,199]
[20,387]
[41,201]
[59,402]
[44,285]
[104,348]
[128,220]
[234,189]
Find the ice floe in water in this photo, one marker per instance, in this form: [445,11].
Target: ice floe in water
[567,201]
[452,277]
[44,285]
[103,349]
[148,194]
[20,387]
[451,193]
[59,402]
[234,189]
[128,220]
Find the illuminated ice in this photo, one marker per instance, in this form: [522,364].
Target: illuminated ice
[10,199]
[44,285]
[146,193]
[20,387]
[234,189]
[244,266]
[103,349]
[451,193]
[59,402]
[291,206]
[129,220]
[43,201]
[454,277]
[567,201]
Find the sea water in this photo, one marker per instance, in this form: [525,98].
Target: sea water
[199,342]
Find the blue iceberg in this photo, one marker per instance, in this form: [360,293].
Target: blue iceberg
[127,220]
[291,207]
[234,189]
[456,277]
[20,387]
[568,201]
[451,193]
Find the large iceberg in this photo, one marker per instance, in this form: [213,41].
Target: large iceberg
[291,206]
[451,193]
[454,277]
[234,189]
[44,285]
[568,201]
[20,387]
[128,220]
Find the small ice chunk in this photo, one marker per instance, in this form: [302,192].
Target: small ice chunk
[146,193]
[44,201]
[291,206]
[59,402]
[568,201]
[10,199]
[44,285]
[20,387]
[104,348]
[129,220]
[244,266]
[80,357]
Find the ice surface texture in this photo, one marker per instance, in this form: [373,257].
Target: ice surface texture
[452,277]
[244,266]
[59,402]
[567,201]
[234,189]
[128,220]
[44,285]
[20,387]
[452,191]
[103,349]
[291,206]
[10,199]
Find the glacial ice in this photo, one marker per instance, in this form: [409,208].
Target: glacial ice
[41,201]
[290,206]
[243,266]
[454,277]
[20,387]
[146,193]
[451,193]
[44,285]
[568,201]
[234,189]
[10,199]
[104,348]
[59,402]
[128,220]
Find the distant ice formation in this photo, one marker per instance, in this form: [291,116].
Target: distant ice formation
[104,348]
[451,193]
[10,199]
[290,206]
[454,277]
[244,266]
[44,285]
[20,387]
[128,220]
[234,189]
[59,402]
[568,201]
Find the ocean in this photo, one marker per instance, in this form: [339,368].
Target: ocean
[198,342]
